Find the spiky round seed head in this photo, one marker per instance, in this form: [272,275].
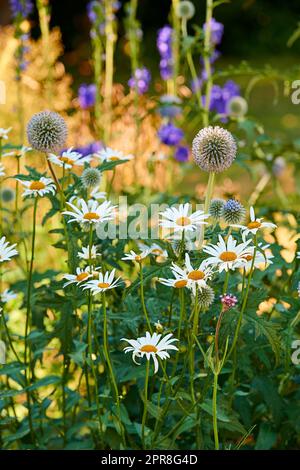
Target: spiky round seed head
[237,107]
[91,177]
[216,208]
[206,296]
[233,212]
[47,131]
[214,149]
[7,195]
[185,9]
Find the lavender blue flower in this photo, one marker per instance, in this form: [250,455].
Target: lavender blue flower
[23,8]
[87,95]
[170,134]
[89,149]
[140,80]
[216,31]
[164,45]
[169,106]
[182,153]
[220,97]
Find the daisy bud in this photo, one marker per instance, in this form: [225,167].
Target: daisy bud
[47,131]
[185,10]
[237,107]
[216,208]
[228,301]
[91,177]
[233,212]
[158,326]
[7,195]
[214,149]
[206,297]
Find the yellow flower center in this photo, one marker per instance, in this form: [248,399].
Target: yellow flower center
[180,284]
[157,251]
[80,277]
[91,216]
[148,348]
[228,256]
[36,185]
[138,258]
[248,257]
[114,158]
[183,221]
[103,285]
[66,160]
[196,275]
[254,224]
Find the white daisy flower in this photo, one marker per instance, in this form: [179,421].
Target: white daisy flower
[261,261]
[7,295]
[228,254]
[133,256]
[2,170]
[254,225]
[96,194]
[103,283]
[196,277]
[91,212]
[151,346]
[69,158]
[85,253]
[7,251]
[179,219]
[38,187]
[178,282]
[4,133]
[17,152]
[154,249]
[110,155]
[80,276]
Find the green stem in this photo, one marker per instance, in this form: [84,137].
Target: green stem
[109,69]
[192,345]
[10,342]
[28,319]
[144,418]
[207,64]
[244,304]
[189,58]
[143,299]
[208,197]
[110,367]
[215,416]
[175,44]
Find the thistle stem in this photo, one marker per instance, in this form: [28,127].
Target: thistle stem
[142,294]
[215,416]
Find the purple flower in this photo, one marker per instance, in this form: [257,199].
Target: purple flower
[170,134]
[216,31]
[89,149]
[228,301]
[140,80]
[220,96]
[164,45]
[87,95]
[182,154]
[21,7]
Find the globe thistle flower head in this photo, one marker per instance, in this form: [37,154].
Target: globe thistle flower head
[47,131]
[205,297]
[185,10]
[233,212]
[216,208]
[214,149]
[237,107]
[91,177]
[7,195]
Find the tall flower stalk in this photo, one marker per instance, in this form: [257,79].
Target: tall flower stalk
[109,67]
[44,18]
